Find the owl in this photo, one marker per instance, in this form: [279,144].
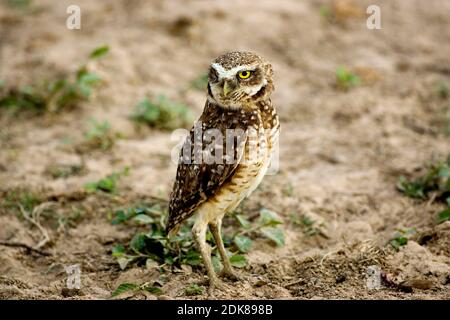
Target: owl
[227,152]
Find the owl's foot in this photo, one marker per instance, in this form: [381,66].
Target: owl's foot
[215,284]
[231,274]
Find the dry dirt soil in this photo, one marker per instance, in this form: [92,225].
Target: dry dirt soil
[341,151]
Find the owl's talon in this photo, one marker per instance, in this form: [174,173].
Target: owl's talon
[231,274]
[215,284]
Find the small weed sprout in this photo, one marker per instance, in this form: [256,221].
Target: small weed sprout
[193,290]
[100,135]
[401,237]
[107,184]
[345,79]
[61,94]
[310,227]
[436,180]
[162,113]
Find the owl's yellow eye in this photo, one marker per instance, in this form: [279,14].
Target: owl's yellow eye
[244,74]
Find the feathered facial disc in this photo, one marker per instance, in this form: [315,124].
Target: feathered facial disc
[239,78]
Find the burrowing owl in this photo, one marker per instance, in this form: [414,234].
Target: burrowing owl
[217,167]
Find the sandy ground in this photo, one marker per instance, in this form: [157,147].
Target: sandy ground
[341,151]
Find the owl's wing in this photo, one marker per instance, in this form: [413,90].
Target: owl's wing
[197,182]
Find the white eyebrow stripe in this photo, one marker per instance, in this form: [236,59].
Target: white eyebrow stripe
[227,74]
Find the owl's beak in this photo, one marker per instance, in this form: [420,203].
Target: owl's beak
[228,87]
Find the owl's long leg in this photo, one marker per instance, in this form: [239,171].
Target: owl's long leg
[199,234]
[215,228]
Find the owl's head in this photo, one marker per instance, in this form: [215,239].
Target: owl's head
[237,79]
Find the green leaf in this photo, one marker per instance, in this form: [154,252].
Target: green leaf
[120,217]
[448,201]
[107,184]
[238,261]
[85,90]
[243,221]
[153,290]
[193,258]
[143,219]
[307,221]
[346,78]
[444,172]
[169,260]
[99,52]
[243,243]
[138,243]
[89,78]
[162,113]
[414,189]
[217,264]
[398,242]
[274,234]
[443,215]
[193,290]
[124,287]
[56,86]
[118,251]
[269,218]
[90,187]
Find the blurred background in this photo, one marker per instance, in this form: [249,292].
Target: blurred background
[86,122]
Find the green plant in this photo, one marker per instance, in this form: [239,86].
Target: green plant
[310,228]
[154,245]
[401,237]
[107,184]
[436,180]
[21,4]
[53,96]
[15,198]
[193,290]
[100,135]
[288,190]
[266,225]
[345,79]
[444,215]
[126,287]
[162,113]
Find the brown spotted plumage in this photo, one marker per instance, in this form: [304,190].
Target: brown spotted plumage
[228,150]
